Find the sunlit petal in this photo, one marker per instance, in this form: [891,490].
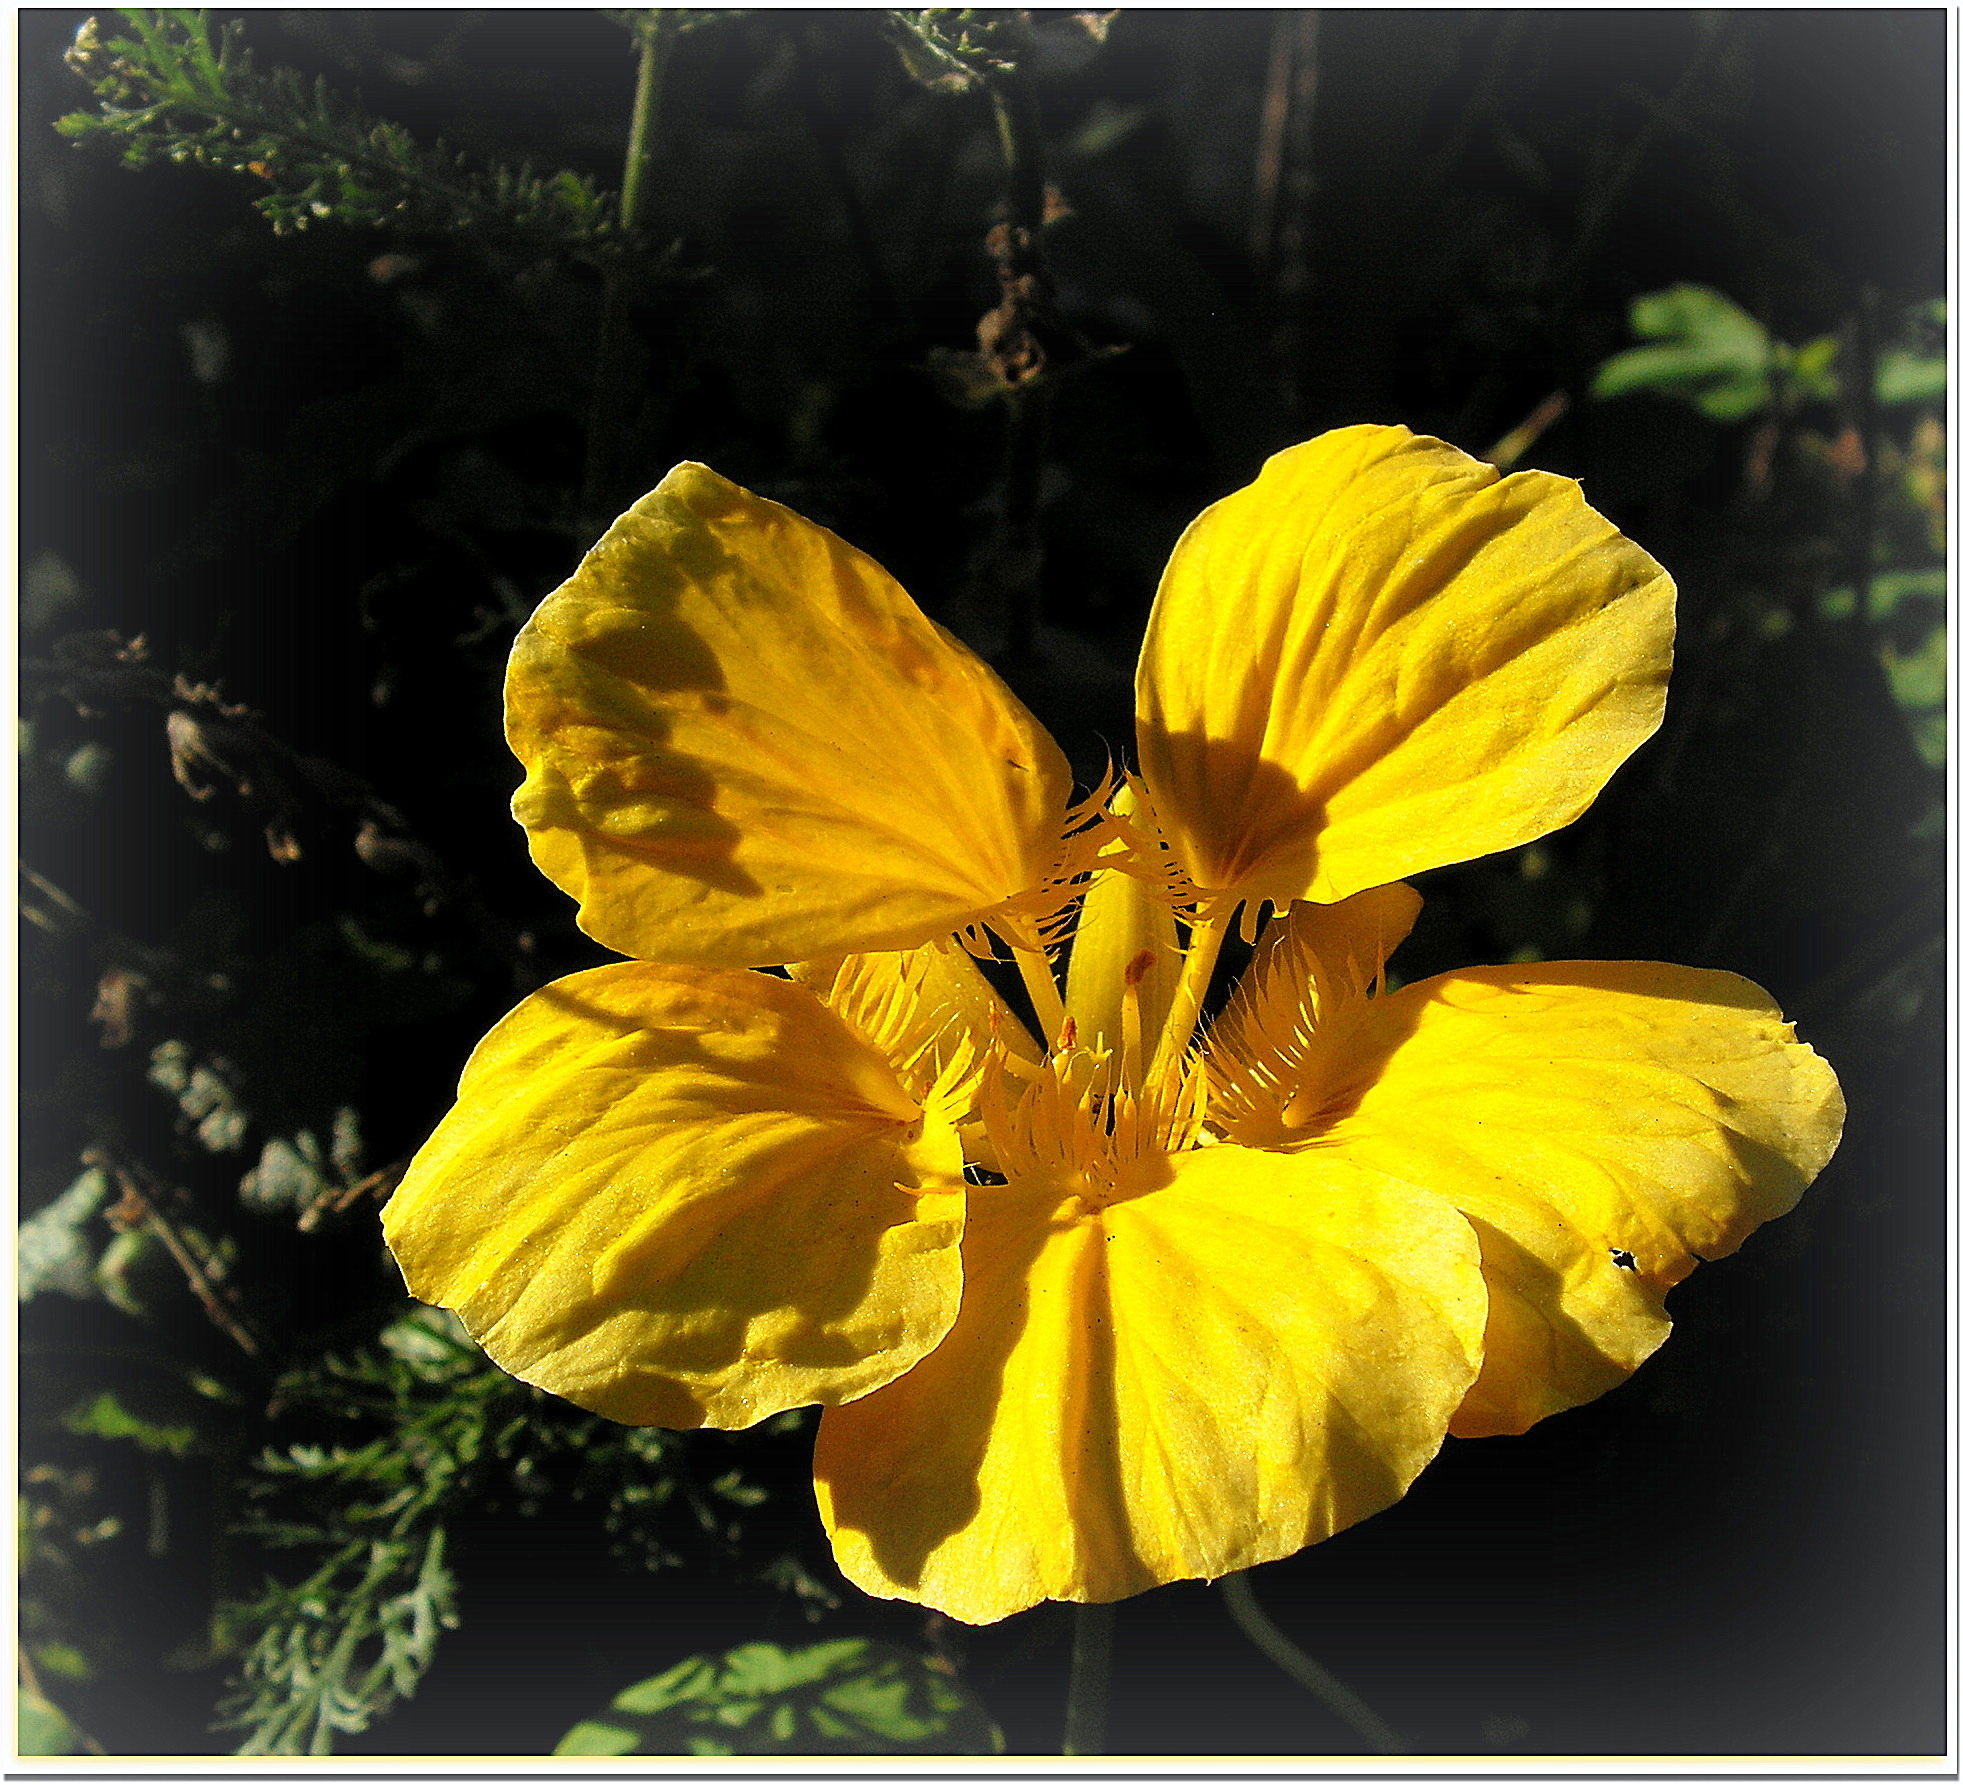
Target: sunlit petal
[686,1197]
[1606,1125]
[1199,1378]
[1381,657]
[745,745]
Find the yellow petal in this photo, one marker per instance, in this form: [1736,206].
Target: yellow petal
[1203,1377]
[683,1197]
[745,745]
[1382,657]
[1606,1125]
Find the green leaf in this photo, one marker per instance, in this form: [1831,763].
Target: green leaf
[204,1092]
[107,1417]
[850,1696]
[135,1268]
[1919,680]
[52,1248]
[288,1176]
[42,1728]
[597,1738]
[1707,352]
[1904,377]
[1914,368]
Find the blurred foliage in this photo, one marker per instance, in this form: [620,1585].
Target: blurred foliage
[848,1697]
[1707,351]
[288,492]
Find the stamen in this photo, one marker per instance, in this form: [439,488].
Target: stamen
[1072,1129]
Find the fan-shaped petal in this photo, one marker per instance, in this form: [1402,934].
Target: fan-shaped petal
[686,1197]
[1204,1376]
[1382,656]
[745,745]
[1605,1125]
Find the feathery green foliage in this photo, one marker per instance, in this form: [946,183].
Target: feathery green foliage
[440,1430]
[176,88]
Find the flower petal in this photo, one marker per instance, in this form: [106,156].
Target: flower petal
[1202,1377]
[1605,1125]
[745,745]
[1382,657]
[683,1197]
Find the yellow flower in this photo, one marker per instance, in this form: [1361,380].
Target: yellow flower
[1105,1309]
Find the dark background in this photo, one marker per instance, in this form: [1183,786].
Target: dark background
[332,471]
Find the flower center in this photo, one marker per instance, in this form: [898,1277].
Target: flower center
[1068,1124]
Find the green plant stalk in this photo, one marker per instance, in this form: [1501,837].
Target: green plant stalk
[651,78]
[607,414]
[1085,1709]
[1256,1626]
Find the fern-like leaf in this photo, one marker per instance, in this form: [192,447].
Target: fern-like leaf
[172,87]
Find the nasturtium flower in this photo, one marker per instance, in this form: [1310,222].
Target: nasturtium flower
[1100,1305]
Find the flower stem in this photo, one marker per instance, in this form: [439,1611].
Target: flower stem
[1202,952]
[655,45]
[607,414]
[1261,1632]
[1090,1681]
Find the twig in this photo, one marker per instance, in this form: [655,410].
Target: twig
[334,1199]
[1511,448]
[139,1208]
[212,739]
[1019,340]
[1260,1630]
[1278,230]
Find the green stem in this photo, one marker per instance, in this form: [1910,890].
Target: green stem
[1261,1632]
[1090,1681]
[655,47]
[607,414]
